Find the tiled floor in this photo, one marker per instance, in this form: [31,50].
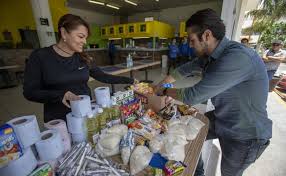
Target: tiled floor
[271,163]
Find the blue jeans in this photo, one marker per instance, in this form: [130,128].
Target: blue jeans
[237,155]
[270,74]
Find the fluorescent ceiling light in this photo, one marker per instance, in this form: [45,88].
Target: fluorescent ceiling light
[157,0]
[111,6]
[114,38]
[140,37]
[96,2]
[162,38]
[130,2]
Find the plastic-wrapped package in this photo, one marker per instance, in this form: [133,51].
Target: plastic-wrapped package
[127,145]
[185,119]
[196,123]
[156,143]
[140,159]
[106,152]
[118,129]
[177,129]
[174,147]
[193,128]
[109,141]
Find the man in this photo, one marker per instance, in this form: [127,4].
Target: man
[236,81]
[186,51]
[173,54]
[111,52]
[273,57]
[245,41]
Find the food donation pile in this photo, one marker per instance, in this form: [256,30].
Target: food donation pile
[115,136]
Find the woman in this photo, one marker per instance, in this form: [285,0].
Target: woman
[55,75]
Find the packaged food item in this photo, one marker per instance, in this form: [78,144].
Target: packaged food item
[124,97]
[140,159]
[157,172]
[156,143]
[169,112]
[143,88]
[174,168]
[187,110]
[127,145]
[9,146]
[92,127]
[44,170]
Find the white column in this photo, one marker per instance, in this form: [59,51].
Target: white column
[228,16]
[240,17]
[41,11]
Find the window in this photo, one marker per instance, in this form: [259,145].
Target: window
[120,29]
[131,29]
[111,30]
[103,31]
[143,28]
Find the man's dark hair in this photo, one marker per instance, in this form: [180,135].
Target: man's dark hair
[207,19]
[244,39]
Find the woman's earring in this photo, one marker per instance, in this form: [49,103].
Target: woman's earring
[64,40]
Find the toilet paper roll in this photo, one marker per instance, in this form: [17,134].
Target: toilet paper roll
[23,166]
[26,129]
[82,107]
[76,124]
[50,146]
[79,137]
[102,95]
[61,127]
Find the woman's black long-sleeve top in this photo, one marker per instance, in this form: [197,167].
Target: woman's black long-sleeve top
[48,76]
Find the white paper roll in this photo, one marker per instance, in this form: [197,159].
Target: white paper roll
[76,124]
[78,137]
[61,126]
[50,147]
[82,107]
[22,166]
[26,129]
[102,95]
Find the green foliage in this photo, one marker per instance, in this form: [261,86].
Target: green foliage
[275,31]
[264,20]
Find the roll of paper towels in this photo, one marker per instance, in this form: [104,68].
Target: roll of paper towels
[23,166]
[102,95]
[61,126]
[76,124]
[82,107]
[50,146]
[26,129]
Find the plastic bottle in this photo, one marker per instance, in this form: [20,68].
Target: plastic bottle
[91,124]
[131,61]
[104,117]
[98,119]
[115,111]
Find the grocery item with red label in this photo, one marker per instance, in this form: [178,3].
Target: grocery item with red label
[9,146]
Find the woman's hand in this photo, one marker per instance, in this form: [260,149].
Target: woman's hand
[69,96]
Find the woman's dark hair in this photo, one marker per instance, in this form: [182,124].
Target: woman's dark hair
[70,22]
[207,19]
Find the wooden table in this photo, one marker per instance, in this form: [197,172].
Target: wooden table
[8,67]
[193,150]
[122,68]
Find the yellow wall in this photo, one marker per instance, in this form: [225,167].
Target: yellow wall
[15,14]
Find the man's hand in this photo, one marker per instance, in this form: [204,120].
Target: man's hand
[167,79]
[69,96]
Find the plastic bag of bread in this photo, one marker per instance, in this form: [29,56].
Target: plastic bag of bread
[119,129]
[174,147]
[156,143]
[193,128]
[140,159]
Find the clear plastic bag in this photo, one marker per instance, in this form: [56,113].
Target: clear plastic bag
[118,129]
[156,143]
[140,159]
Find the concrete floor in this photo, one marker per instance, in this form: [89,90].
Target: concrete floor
[271,163]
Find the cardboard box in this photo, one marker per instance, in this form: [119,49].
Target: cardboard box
[152,101]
